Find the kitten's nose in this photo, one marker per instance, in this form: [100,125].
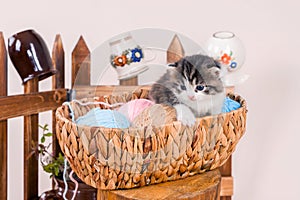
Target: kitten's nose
[192,98]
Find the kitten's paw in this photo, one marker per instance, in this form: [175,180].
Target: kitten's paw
[185,115]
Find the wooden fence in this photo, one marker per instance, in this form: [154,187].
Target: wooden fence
[28,105]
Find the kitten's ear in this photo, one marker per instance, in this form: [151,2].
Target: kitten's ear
[218,64]
[179,63]
[222,69]
[215,71]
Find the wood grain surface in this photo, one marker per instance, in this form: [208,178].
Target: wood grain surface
[31,173]
[58,82]
[3,123]
[130,81]
[96,91]
[32,103]
[81,64]
[204,186]
[175,50]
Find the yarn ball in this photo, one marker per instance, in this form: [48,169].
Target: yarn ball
[133,108]
[106,118]
[230,105]
[155,115]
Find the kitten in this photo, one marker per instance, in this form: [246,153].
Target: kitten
[192,86]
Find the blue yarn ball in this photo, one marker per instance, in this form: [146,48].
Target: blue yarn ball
[106,118]
[230,105]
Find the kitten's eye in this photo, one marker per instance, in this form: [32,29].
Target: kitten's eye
[200,87]
[183,87]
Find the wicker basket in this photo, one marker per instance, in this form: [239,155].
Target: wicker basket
[108,158]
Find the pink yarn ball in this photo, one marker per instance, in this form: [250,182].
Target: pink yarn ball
[133,108]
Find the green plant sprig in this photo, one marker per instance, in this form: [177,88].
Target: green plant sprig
[50,164]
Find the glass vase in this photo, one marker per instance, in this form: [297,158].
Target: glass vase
[228,49]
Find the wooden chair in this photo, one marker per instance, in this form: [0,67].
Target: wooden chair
[34,102]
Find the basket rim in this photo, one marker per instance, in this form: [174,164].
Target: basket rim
[233,96]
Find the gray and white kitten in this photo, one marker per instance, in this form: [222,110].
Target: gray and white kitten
[192,86]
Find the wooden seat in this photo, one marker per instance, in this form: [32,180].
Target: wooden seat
[204,186]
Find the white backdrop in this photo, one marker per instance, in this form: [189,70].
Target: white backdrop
[265,164]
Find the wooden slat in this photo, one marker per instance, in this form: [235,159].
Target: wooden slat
[3,123]
[226,168]
[31,103]
[58,81]
[204,186]
[95,91]
[58,60]
[81,64]
[226,186]
[30,135]
[175,50]
[131,81]
[226,174]
[3,67]
[225,198]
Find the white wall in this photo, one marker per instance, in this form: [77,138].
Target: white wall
[266,160]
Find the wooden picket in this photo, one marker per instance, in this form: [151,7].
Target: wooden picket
[3,123]
[58,83]
[81,59]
